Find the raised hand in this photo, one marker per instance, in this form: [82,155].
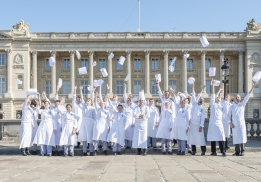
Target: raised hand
[80,87]
[125,86]
[75,87]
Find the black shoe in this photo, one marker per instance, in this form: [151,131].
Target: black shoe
[84,154]
[78,144]
[213,153]
[60,153]
[109,147]
[23,152]
[100,147]
[164,153]
[178,153]
[242,153]
[227,147]
[236,154]
[154,147]
[105,152]
[202,153]
[34,153]
[170,153]
[139,151]
[119,153]
[224,154]
[95,152]
[182,153]
[145,152]
[91,153]
[193,152]
[53,153]
[27,151]
[189,151]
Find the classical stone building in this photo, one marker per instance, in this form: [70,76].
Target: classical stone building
[24,55]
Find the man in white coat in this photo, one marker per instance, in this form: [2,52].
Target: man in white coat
[141,115]
[236,119]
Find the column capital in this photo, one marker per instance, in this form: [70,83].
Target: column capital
[90,53]
[222,52]
[147,52]
[72,53]
[109,52]
[240,53]
[34,52]
[8,51]
[203,52]
[128,52]
[166,52]
[53,53]
[184,52]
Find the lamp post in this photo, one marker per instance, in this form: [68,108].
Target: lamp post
[225,72]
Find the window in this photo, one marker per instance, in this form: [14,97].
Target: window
[66,64]
[2,86]
[103,88]
[155,64]
[47,65]
[119,66]
[2,59]
[137,64]
[173,84]
[208,86]
[84,85]
[137,86]
[174,65]
[153,87]
[190,64]
[189,88]
[66,87]
[102,63]
[85,63]
[119,87]
[207,63]
[48,87]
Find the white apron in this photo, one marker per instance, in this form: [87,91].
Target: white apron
[57,118]
[128,110]
[101,125]
[180,124]
[166,122]
[154,117]
[226,106]
[34,130]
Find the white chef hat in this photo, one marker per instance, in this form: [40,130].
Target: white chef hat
[158,77]
[95,83]
[191,80]
[78,55]
[204,41]
[111,56]
[257,76]
[60,83]
[18,81]
[82,70]
[127,78]
[217,83]
[90,88]
[31,91]
[212,71]
[100,82]
[94,63]
[186,56]
[171,68]
[141,96]
[183,97]
[173,61]
[135,99]
[51,61]
[121,60]
[104,72]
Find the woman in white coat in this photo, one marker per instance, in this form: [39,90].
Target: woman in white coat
[215,128]
[165,127]
[27,124]
[153,123]
[45,135]
[69,125]
[237,123]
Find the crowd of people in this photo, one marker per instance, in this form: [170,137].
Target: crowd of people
[104,122]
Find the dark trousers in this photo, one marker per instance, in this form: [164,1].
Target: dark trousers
[203,148]
[238,147]
[175,141]
[221,146]
[226,143]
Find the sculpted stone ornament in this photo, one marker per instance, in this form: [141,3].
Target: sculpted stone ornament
[18,59]
[21,28]
[255,61]
[253,27]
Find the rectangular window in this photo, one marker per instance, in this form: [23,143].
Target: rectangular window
[174,65]
[208,86]
[207,63]
[47,65]
[155,64]
[190,64]
[66,87]
[119,66]
[84,84]
[173,84]
[102,63]
[103,88]
[137,64]
[2,59]
[137,86]
[119,87]
[66,64]
[2,85]
[48,87]
[189,88]
[85,63]
[153,87]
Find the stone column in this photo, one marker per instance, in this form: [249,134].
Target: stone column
[203,69]
[147,72]
[184,73]
[166,70]
[222,54]
[128,55]
[34,69]
[53,54]
[90,67]
[9,79]
[240,72]
[72,75]
[110,73]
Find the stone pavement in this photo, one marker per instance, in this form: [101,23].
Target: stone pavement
[131,168]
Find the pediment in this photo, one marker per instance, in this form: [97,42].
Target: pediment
[4,36]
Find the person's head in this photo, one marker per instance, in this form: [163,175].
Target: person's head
[89,102]
[186,101]
[237,99]
[201,101]
[120,108]
[166,94]
[167,105]
[62,100]
[218,99]
[69,107]
[129,101]
[189,99]
[33,104]
[227,97]
[182,102]
[151,102]
[102,105]
[57,103]
[115,97]
[46,104]
[141,102]
[106,99]
[130,96]
[78,99]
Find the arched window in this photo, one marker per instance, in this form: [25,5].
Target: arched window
[190,64]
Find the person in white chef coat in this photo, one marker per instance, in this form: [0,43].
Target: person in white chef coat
[236,119]
[129,124]
[69,126]
[215,128]
[165,127]
[196,124]
[27,124]
[153,123]
[141,115]
[45,135]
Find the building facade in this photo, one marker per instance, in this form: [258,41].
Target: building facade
[24,55]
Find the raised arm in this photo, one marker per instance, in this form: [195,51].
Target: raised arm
[80,88]
[100,95]
[244,102]
[124,93]
[220,90]
[26,102]
[213,96]
[159,89]
[74,97]
[56,97]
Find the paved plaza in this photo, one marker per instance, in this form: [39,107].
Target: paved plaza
[131,168]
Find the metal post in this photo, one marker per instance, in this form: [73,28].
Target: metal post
[138,30]
[225,81]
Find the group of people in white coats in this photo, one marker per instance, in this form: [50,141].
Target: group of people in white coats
[136,123]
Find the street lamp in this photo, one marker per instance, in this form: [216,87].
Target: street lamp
[225,72]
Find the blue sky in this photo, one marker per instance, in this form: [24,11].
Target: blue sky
[122,15]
